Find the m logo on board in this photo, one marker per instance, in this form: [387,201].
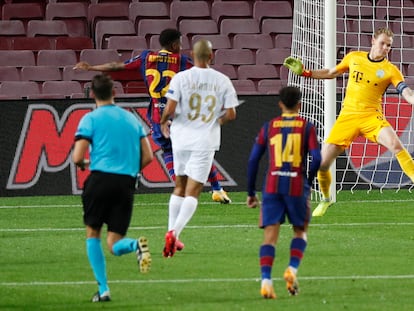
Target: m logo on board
[46,143]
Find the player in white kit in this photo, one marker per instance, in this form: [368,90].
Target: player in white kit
[200,100]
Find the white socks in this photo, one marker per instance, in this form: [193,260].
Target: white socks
[188,207]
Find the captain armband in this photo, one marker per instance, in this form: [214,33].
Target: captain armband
[401,86]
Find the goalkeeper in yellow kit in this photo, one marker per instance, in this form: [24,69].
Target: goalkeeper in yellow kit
[370,73]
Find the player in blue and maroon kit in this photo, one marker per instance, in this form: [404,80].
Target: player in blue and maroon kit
[157,68]
[289,139]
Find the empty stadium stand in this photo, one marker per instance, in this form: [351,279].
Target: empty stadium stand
[40,41]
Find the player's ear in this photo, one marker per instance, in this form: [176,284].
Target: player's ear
[281,106]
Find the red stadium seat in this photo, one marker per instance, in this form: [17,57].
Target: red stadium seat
[76,44]
[19,89]
[410,70]
[17,58]
[218,41]
[14,28]
[244,87]
[257,72]
[23,12]
[6,43]
[234,9]
[74,14]
[105,29]
[190,27]
[148,27]
[97,57]
[148,10]
[392,12]
[81,76]
[272,9]
[252,41]
[231,27]
[46,28]
[234,57]
[57,58]
[107,11]
[271,56]
[275,26]
[270,86]
[126,44]
[228,70]
[9,73]
[189,9]
[33,43]
[64,88]
[40,73]
[283,40]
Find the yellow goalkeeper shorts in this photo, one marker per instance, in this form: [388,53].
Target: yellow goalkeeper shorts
[348,126]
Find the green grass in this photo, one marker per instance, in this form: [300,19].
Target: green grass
[359,257]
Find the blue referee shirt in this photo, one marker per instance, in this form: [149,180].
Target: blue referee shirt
[114,135]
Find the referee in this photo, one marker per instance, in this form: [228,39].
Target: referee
[119,149]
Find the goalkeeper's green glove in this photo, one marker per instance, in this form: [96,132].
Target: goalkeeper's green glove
[296,66]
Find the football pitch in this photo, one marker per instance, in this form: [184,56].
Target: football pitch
[360,256]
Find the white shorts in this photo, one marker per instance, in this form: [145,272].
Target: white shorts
[194,164]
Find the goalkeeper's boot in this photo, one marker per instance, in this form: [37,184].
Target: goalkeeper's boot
[320,210]
[170,246]
[179,245]
[292,284]
[143,255]
[220,196]
[101,298]
[267,290]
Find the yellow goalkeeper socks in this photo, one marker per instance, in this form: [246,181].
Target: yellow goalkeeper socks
[406,163]
[325,179]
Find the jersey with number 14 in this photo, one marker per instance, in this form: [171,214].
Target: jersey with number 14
[157,69]
[288,139]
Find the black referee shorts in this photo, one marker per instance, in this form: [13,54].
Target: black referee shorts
[108,198]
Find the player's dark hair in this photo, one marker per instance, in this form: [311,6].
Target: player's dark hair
[290,96]
[168,37]
[101,86]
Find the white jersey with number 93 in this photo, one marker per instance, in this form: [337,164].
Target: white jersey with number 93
[201,94]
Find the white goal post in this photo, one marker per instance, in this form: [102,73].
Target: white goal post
[323,32]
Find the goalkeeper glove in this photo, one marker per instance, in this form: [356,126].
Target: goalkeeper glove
[296,66]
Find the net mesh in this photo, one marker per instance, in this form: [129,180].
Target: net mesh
[365,165]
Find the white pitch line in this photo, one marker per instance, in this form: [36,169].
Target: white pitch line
[210,227]
[200,203]
[213,280]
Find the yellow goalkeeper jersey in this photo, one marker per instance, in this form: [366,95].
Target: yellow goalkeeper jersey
[367,81]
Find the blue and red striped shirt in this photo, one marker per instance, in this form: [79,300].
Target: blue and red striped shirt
[157,69]
[289,139]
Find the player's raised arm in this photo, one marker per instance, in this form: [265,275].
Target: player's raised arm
[112,66]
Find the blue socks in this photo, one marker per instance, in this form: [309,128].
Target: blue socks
[124,246]
[97,261]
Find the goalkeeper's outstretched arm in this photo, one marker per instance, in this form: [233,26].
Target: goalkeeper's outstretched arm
[296,66]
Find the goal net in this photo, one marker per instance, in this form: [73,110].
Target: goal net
[323,32]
